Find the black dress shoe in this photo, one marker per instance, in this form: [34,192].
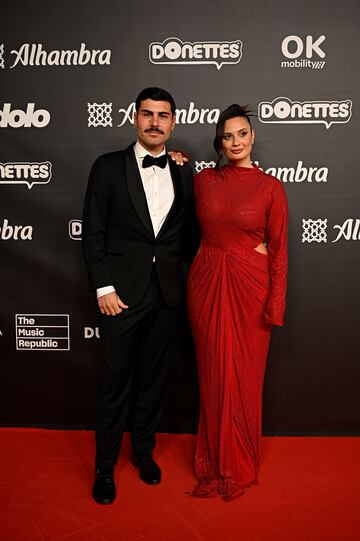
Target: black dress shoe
[104,490]
[149,471]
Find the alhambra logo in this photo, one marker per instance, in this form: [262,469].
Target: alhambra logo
[101,114]
[15,232]
[315,230]
[296,174]
[176,51]
[37,54]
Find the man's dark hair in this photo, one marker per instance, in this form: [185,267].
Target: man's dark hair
[156,94]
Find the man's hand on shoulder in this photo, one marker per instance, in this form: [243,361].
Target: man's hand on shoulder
[178,156]
[111,304]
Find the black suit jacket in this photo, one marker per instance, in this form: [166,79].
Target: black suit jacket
[118,238]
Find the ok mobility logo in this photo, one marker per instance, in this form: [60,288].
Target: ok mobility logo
[175,51]
[284,111]
[300,52]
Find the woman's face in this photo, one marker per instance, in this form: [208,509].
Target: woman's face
[237,141]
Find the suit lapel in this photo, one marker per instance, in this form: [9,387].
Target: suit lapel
[136,190]
[179,194]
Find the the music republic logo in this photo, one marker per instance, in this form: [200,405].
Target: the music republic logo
[175,51]
[285,111]
[28,173]
[42,332]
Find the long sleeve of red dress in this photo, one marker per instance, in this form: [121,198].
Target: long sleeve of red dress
[277,233]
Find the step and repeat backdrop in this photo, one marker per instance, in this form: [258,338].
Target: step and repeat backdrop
[69,74]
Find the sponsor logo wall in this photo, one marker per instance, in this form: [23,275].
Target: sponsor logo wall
[81,75]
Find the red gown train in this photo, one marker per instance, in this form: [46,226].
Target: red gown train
[235,295]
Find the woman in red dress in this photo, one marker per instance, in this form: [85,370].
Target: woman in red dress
[236,292]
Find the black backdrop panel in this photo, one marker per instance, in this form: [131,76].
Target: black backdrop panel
[69,73]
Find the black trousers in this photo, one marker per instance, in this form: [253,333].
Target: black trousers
[136,348]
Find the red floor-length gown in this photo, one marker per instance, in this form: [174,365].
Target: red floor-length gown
[235,295]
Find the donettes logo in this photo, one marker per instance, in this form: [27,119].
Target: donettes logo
[28,173]
[75,229]
[175,51]
[285,111]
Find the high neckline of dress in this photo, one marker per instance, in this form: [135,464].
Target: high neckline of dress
[241,169]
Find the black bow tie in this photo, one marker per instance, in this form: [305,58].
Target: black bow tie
[161,161]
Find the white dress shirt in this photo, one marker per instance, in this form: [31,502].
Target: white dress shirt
[159,191]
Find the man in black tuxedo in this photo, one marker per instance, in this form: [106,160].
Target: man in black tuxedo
[138,226]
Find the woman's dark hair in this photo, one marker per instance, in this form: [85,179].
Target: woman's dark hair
[156,94]
[232,111]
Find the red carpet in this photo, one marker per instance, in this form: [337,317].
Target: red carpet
[309,490]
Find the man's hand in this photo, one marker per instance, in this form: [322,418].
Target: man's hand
[111,304]
[178,156]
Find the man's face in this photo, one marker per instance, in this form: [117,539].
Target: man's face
[154,122]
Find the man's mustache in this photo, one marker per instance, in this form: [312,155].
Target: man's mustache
[154,129]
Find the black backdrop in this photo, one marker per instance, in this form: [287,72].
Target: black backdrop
[62,104]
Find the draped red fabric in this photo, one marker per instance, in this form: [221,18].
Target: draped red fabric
[235,294]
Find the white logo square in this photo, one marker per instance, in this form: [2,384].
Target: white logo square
[99,114]
[314,230]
